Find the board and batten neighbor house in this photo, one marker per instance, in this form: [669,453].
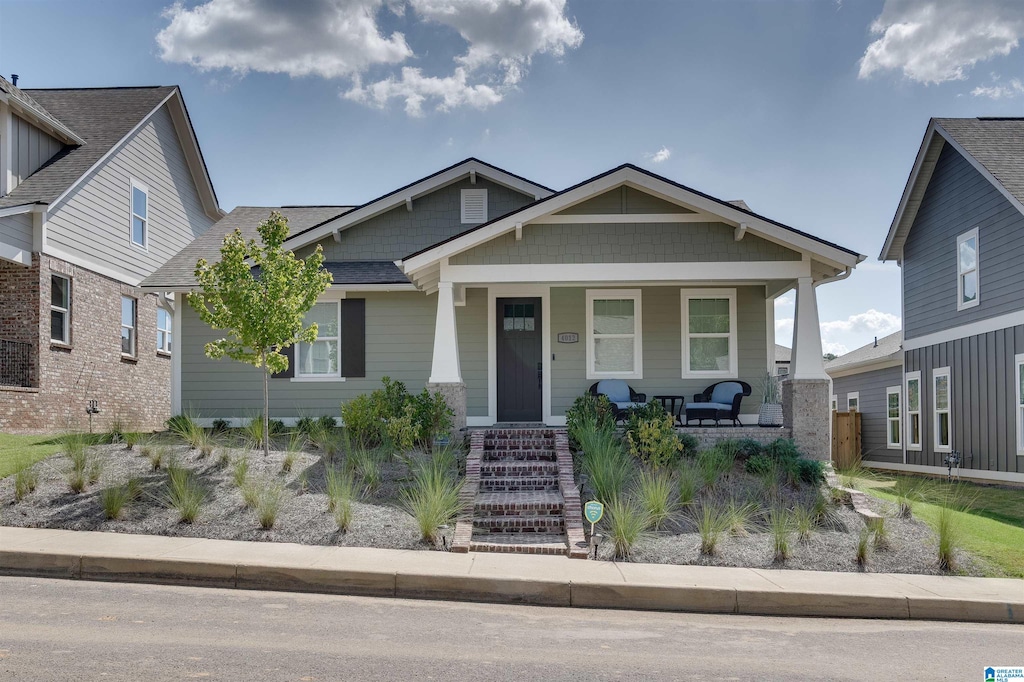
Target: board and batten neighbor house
[958,236]
[511,299]
[98,188]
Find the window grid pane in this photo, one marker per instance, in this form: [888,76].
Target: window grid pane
[614,316]
[709,354]
[913,395]
[709,316]
[941,392]
[613,355]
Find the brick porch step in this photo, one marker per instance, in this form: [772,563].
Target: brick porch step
[511,484]
[518,503]
[518,524]
[509,468]
[529,543]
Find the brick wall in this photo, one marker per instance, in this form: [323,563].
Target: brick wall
[134,390]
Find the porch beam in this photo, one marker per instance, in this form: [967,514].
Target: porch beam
[758,271]
[606,218]
[445,368]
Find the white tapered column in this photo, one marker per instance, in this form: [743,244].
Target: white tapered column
[805,394]
[445,369]
[807,362]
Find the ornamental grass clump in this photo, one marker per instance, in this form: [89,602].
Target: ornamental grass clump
[711,521]
[714,463]
[131,439]
[908,492]
[689,482]
[114,499]
[780,527]
[240,471]
[341,491]
[654,491]
[804,520]
[739,516]
[628,523]
[610,472]
[25,482]
[185,493]
[156,454]
[433,500]
[953,502]
[864,547]
[268,504]
[366,464]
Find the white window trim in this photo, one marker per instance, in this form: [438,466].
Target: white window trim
[168,332]
[898,392]
[1018,363]
[852,396]
[835,403]
[67,311]
[908,441]
[298,350]
[960,305]
[638,361]
[462,206]
[686,295]
[936,373]
[136,185]
[134,327]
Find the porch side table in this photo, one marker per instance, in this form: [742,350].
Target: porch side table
[669,403]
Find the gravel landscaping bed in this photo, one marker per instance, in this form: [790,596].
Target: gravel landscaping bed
[378,521]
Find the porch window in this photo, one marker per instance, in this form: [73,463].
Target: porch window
[709,333]
[967,270]
[322,357]
[60,309]
[614,347]
[913,384]
[940,404]
[892,416]
[1019,408]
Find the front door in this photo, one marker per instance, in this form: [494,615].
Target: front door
[520,360]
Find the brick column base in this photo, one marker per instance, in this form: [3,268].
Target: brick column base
[805,410]
[455,396]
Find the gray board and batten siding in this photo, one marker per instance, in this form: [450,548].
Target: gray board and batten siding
[16,230]
[94,220]
[958,199]
[434,218]
[873,407]
[983,399]
[30,149]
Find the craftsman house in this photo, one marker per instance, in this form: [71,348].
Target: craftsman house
[98,188]
[512,299]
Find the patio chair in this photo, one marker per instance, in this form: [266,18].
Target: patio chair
[620,394]
[718,401]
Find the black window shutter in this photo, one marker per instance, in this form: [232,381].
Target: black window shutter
[289,353]
[353,337]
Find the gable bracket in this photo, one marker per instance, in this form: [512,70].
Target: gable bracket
[519,232]
[740,231]
[408,204]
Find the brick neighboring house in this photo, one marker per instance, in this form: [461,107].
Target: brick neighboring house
[98,188]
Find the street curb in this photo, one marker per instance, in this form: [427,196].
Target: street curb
[505,589]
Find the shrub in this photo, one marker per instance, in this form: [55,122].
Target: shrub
[589,413]
[362,420]
[782,449]
[268,504]
[747,448]
[690,444]
[644,413]
[326,421]
[628,523]
[654,491]
[184,493]
[689,482]
[433,417]
[711,522]
[25,481]
[433,500]
[401,430]
[761,465]
[305,424]
[654,439]
[780,526]
[240,473]
[809,471]
[277,427]
[220,425]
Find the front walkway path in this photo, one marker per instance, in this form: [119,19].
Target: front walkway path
[504,578]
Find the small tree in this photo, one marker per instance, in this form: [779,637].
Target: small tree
[259,294]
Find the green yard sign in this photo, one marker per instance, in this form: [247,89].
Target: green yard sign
[593,511]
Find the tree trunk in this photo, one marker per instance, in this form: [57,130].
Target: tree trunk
[266,407]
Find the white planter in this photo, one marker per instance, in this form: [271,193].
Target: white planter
[770,414]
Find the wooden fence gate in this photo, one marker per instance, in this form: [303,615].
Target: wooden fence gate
[845,439]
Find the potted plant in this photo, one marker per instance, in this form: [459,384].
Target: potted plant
[770,413]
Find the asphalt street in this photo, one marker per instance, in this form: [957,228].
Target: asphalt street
[69,630]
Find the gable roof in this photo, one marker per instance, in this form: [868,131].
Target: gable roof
[886,348]
[26,107]
[646,181]
[179,271]
[103,118]
[994,146]
[446,176]
[783,353]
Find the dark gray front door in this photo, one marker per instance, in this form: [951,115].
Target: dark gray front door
[519,360]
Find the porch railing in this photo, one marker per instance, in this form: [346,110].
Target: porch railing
[15,363]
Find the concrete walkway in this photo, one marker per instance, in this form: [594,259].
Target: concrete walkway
[504,578]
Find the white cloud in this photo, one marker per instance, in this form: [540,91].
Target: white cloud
[839,336]
[834,348]
[1012,89]
[932,41]
[326,38]
[662,154]
[342,39]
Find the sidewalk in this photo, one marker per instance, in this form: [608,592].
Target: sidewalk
[504,578]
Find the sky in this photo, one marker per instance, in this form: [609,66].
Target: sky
[811,111]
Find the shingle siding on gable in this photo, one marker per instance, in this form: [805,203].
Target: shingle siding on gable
[624,243]
[624,200]
[16,230]
[93,221]
[958,199]
[30,148]
[873,403]
[434,218]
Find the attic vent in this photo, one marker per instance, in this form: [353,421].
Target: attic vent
[474,206]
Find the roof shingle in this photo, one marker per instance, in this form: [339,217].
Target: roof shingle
[995,143]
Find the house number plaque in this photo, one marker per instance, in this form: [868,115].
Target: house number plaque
[568,337]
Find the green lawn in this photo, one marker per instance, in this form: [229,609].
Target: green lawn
[19,451]
[993,527]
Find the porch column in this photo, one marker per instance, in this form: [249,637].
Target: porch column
[445,370]
[805,394]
